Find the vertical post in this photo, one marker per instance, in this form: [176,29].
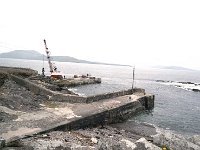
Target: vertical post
[43,72]
[133,78]
[43,67]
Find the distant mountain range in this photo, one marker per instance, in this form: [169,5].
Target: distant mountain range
[34,55]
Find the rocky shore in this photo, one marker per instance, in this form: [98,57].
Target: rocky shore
[15,100]
[123,136]
[190,86]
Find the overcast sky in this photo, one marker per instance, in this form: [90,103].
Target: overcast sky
[135,32]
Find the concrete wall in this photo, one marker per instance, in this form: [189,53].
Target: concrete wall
[114,94]
[36,89]
[113,115]
[56,96]
[147,101]
[68,98]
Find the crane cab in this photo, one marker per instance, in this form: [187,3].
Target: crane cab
[56,76]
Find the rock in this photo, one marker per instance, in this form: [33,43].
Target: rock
[2,142]
[5,117]
[18,148]
[62,148]
[102,146]
[94,140]
[143,143]
[3,77]
[160,81]
[129,144]
[42,144]
[173,141]
[186,82]
[196,90]
[195,139]
[75,76]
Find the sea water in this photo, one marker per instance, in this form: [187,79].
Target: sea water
[176,108]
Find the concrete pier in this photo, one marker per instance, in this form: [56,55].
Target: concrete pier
[74,116]
[70,111]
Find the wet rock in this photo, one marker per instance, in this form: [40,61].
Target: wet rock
[137,129]
[196,90]
[186,82]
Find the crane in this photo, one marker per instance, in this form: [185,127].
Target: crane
[52,67]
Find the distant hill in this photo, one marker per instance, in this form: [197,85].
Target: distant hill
[22,54]
[173,67]
[34,55]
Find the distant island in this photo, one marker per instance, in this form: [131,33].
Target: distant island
[34,55]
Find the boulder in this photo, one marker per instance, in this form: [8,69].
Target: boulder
[195,139]
[173,141]
[196,90]
[142,143]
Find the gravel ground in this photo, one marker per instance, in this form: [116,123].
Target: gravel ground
[19,98]
[101,138]
[14,98]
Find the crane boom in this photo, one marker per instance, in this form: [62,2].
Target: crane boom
[53,69]
[48,57]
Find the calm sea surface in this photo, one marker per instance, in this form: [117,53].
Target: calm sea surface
[175,108]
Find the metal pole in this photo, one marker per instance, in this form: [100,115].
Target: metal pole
[43,66]
[133,78]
